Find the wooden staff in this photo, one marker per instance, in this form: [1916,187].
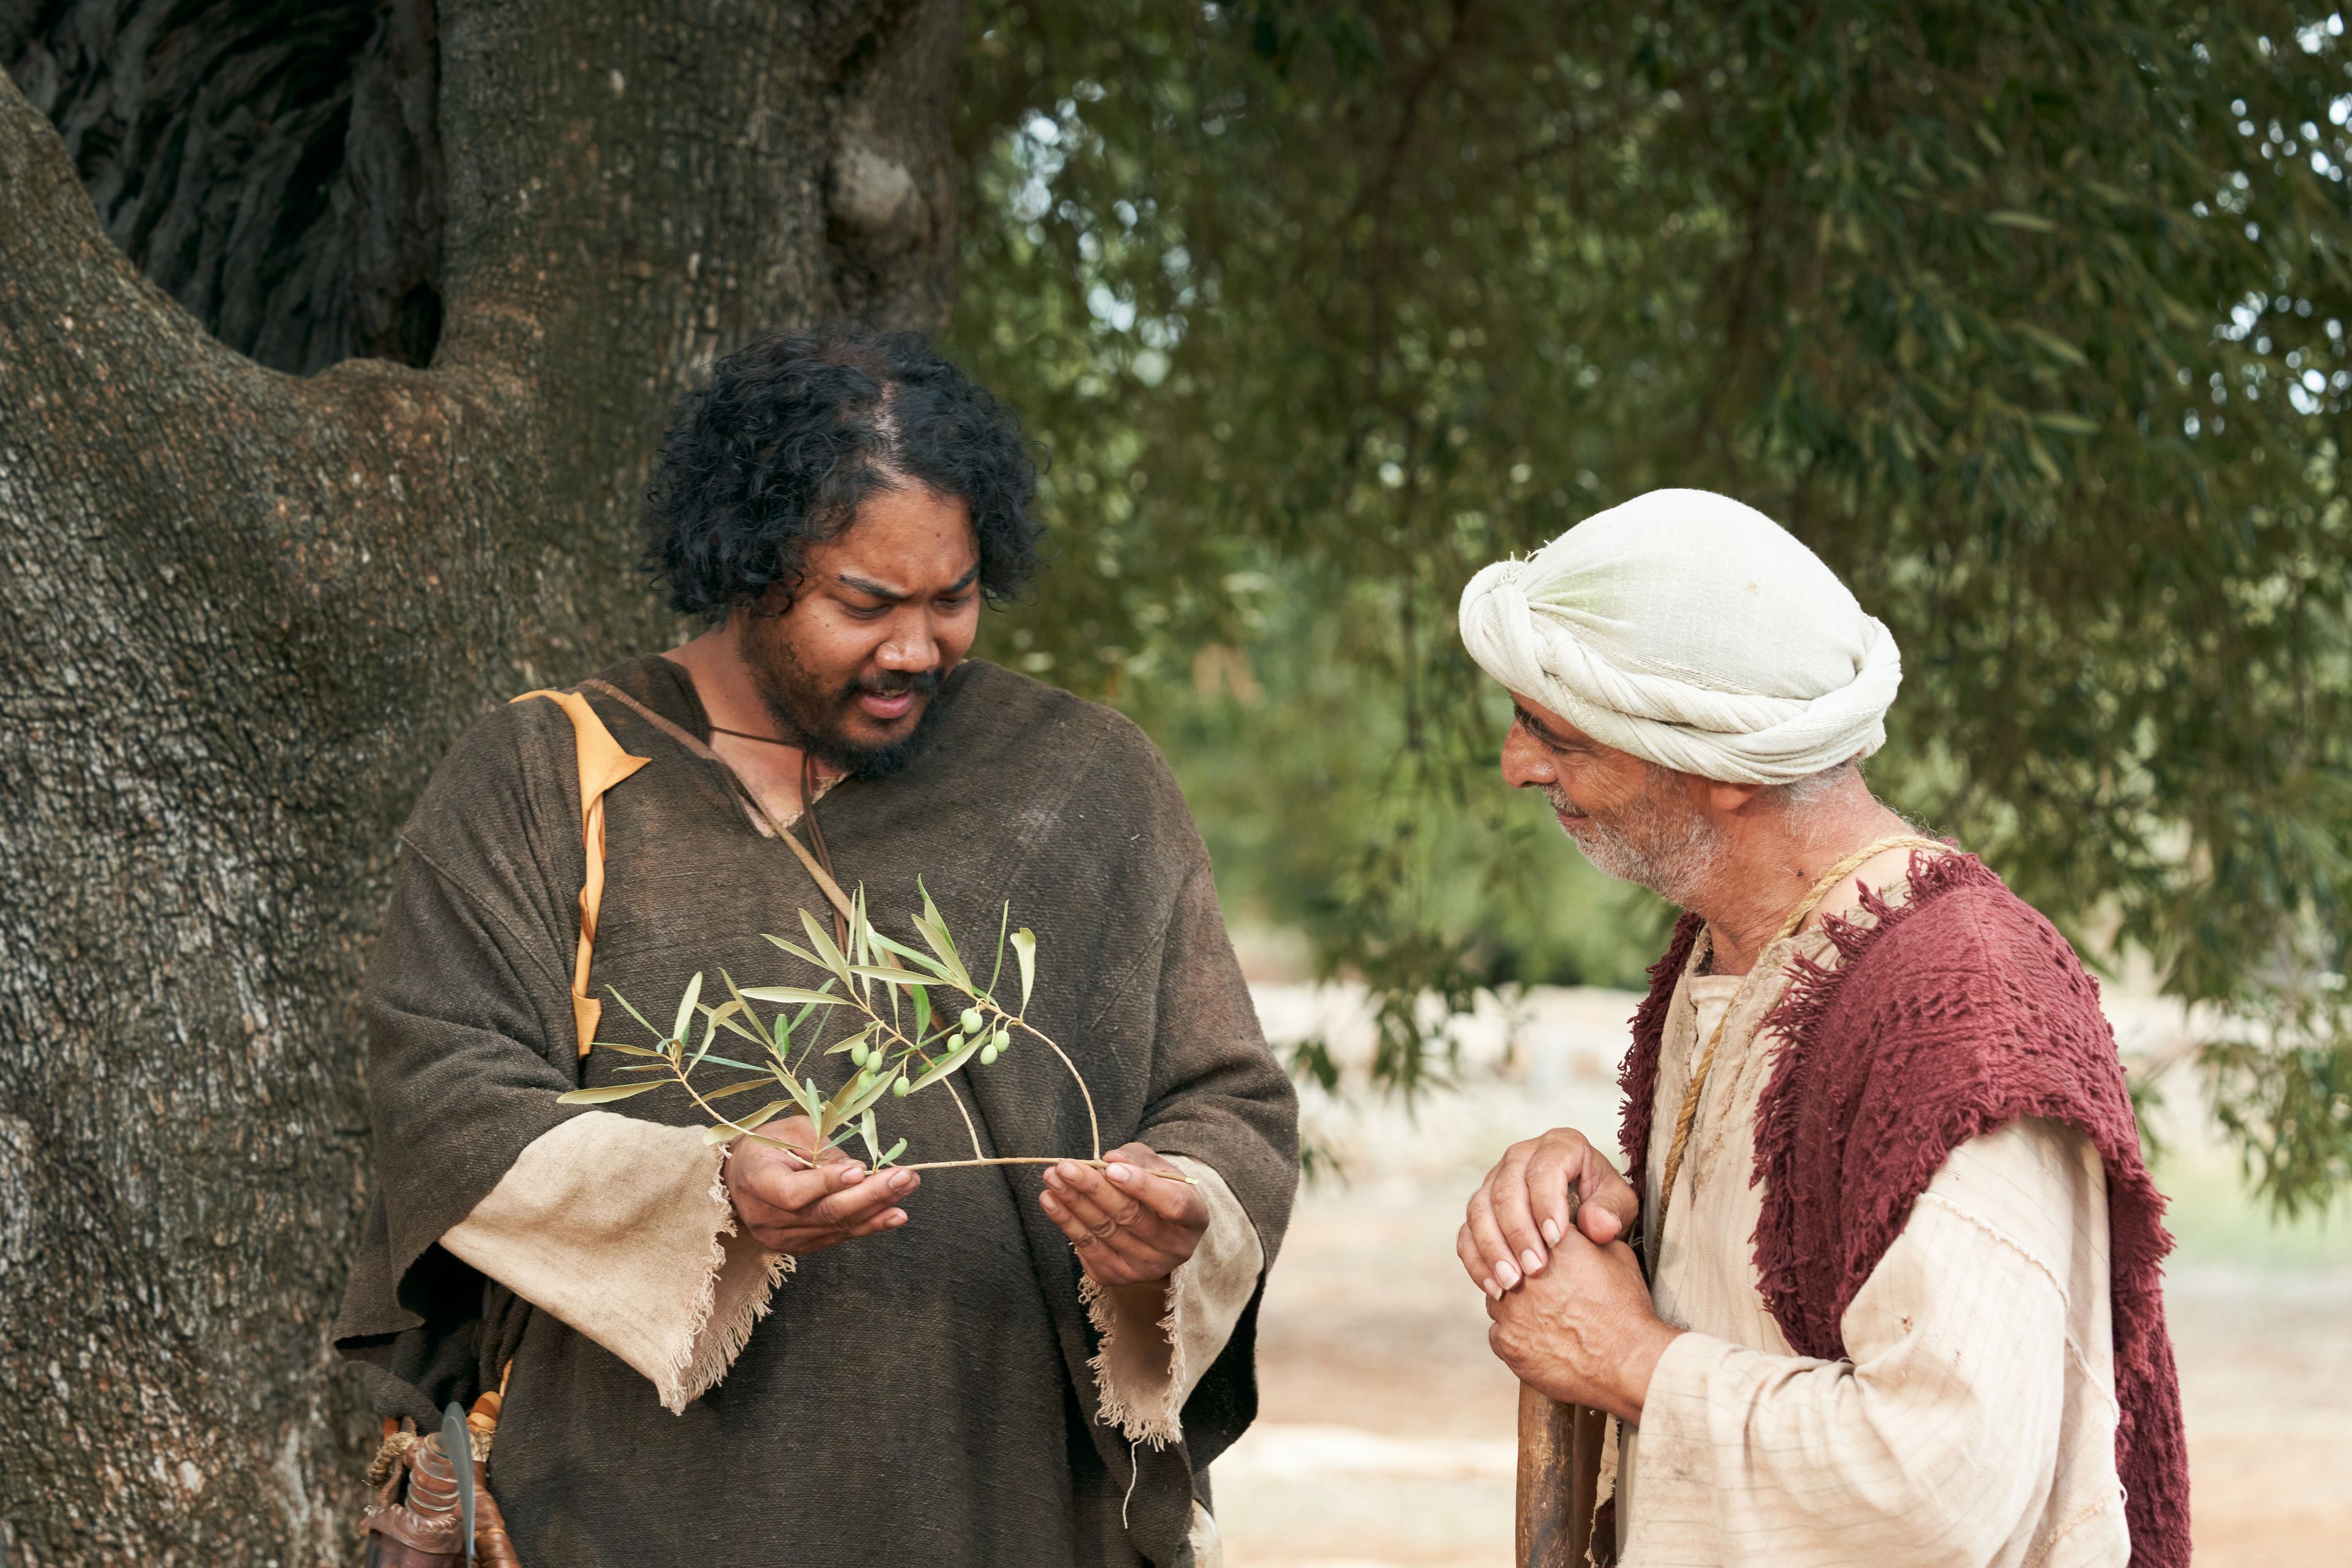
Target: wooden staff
[1560,1482]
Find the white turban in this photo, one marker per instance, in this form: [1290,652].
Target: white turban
[1693,632]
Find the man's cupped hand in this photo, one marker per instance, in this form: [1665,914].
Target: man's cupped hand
[790,1206]
[1130,1227]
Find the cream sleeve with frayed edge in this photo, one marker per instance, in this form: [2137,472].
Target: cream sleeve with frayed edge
[623,1229]
[1146,1370]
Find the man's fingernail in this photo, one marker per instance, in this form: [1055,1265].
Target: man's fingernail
[1051,1206]
[1506,1273]
[902,1181]
[1533,1259]
[1552,1231]
[897,1218]
[852,1176]
[1120,1172]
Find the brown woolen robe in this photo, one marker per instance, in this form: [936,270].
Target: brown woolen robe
[921,1397]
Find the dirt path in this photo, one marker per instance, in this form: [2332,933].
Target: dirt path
[1385,1436]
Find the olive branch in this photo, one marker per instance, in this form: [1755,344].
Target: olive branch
[907,1042]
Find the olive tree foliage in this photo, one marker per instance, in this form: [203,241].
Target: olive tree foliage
[2030,319]
[335,340]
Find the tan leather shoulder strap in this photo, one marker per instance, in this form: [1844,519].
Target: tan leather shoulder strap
[603,764]
[761,816]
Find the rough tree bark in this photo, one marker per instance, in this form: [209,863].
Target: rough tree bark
[242,611]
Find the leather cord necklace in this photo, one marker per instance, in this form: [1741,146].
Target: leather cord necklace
[808,815]
[1688,1115]
[826,883]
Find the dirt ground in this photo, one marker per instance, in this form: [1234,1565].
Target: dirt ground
[1386,1433]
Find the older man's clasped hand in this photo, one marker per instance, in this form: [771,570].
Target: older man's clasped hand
[1571,1311]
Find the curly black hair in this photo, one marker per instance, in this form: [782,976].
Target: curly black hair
[793,431]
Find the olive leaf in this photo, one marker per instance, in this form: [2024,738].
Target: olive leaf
[746,1085]
[710,1033]
[741,1004]
[803,954]
[933,927]
[717,1060]
[724,1017]
[685,1006]
[633,1013]
[1025,948]
[924,960]
[888,977]
[759,1118]
[792,993]
[1004,920]
[854,1097]
[604,1096]
[829,957]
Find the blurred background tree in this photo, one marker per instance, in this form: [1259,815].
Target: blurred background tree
[2030,320]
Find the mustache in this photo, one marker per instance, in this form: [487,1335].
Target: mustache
[1561,801]
[893,683]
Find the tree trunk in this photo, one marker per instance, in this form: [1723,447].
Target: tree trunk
[242,612]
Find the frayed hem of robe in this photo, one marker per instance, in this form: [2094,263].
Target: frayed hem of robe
[716,1331]
[1140,1389]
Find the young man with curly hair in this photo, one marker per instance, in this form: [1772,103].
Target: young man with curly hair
[715,1355]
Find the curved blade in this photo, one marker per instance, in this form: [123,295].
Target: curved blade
[459,1443]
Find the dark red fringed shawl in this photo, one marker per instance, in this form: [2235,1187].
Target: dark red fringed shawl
[1956,1013]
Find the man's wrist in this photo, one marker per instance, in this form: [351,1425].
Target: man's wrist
[1143,1298]
[1636,1371]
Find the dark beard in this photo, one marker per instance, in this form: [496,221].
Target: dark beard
[810,716]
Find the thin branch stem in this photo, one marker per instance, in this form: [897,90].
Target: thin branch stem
[1039,1160]
[977,1152]
[1094,1127]
[740,1130]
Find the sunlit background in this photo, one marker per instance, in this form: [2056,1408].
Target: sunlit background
[2030,319]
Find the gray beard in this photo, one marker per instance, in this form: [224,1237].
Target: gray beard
[1660,842]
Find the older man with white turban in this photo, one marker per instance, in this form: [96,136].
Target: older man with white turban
[1897,1298]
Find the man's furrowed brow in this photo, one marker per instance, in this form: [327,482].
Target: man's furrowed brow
[899,595]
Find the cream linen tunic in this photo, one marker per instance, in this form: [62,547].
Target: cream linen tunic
[1974,1424]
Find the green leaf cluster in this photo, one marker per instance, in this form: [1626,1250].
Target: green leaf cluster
[899,1046]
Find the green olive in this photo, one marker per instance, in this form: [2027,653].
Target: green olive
[970,1020]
